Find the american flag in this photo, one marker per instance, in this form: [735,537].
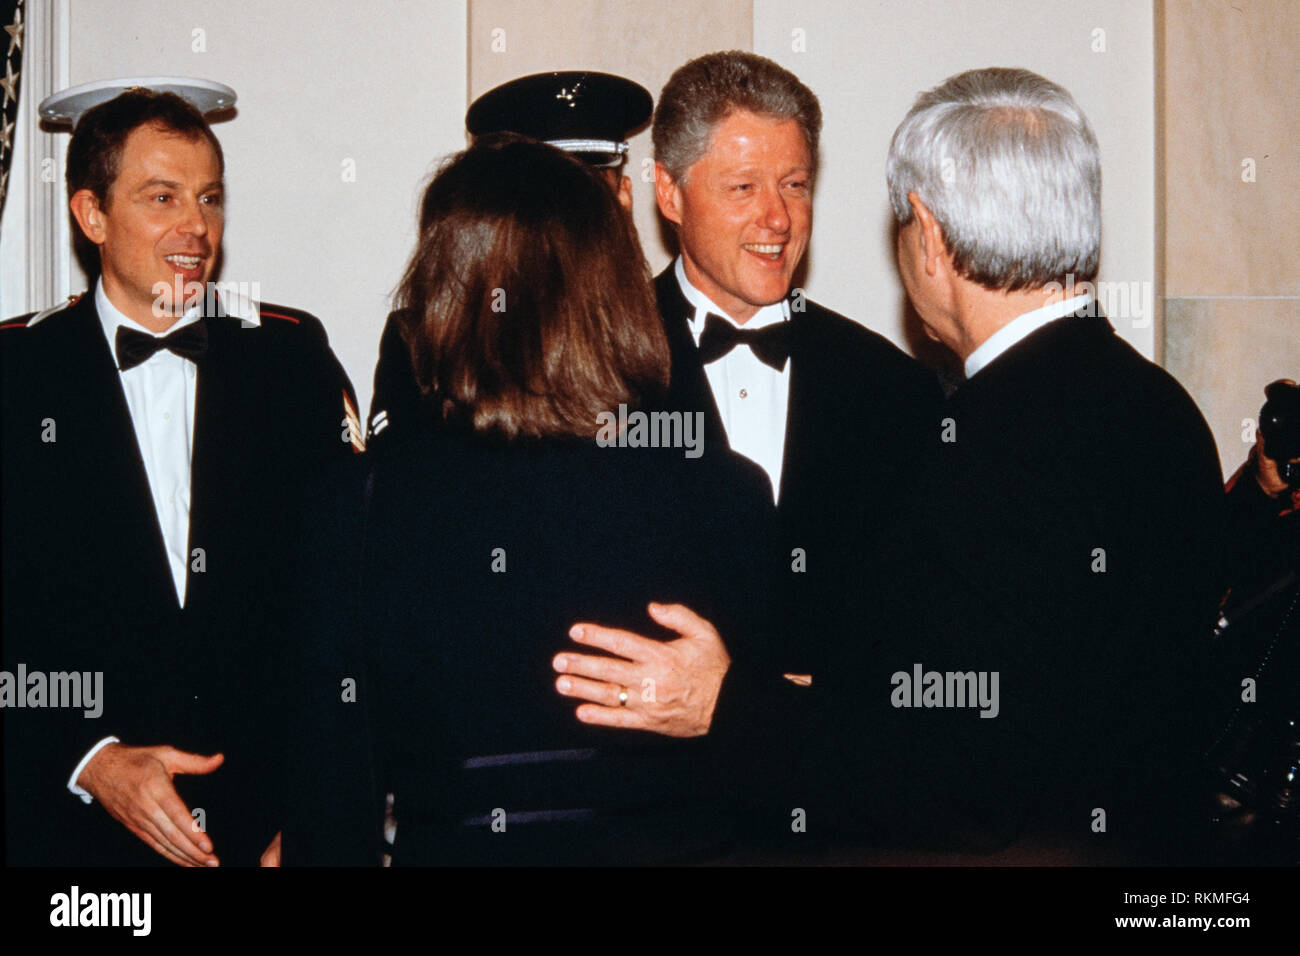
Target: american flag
[11,18]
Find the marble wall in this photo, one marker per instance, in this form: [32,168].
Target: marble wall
[1230,167]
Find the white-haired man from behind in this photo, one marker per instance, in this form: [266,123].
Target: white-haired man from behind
[1075,501]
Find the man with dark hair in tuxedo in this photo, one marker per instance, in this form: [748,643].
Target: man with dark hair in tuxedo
[155,431]
[832,412]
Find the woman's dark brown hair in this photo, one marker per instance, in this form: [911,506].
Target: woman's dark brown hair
[527,304]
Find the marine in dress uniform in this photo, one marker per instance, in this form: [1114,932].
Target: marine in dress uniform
[588,114]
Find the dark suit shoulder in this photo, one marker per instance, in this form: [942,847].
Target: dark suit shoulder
[299,338]
[1089,361]
[37,326]
[293,349]
[397,319]
[17,337]
[394,355]
[1173,428]
[20,322]
[858,342]
[1146,376]
[396,407]
[292,325]
[866,366]
[34,348]
[1097,388]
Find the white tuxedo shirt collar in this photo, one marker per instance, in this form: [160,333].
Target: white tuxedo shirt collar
[703,305]
[110,317]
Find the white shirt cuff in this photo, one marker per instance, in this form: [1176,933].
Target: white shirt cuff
[72,781]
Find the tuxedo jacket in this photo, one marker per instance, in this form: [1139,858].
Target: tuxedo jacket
[860,412]
[1066,536]
[87,586]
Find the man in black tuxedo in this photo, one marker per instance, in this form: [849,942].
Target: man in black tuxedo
[155,435]
[832,412]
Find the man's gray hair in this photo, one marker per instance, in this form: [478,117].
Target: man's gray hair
[1008,165]
[702,93]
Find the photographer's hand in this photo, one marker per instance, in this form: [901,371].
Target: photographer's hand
[1266,471]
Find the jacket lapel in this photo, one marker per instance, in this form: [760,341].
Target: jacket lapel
[226,456]
[801,418]
[690,388]
[105,485]
[690,385]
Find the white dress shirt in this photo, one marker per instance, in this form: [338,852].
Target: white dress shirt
[753,398]
[160,397]
[1021,327]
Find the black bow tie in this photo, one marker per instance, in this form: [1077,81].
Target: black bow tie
[770,344]
[134,347]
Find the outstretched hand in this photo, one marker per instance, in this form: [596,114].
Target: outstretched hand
[134,784]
